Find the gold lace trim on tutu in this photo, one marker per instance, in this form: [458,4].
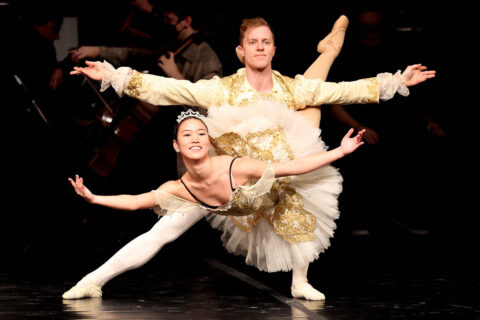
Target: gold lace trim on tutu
[287,216]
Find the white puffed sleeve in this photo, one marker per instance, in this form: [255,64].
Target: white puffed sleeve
[159,90]
[314,92]
[169,91]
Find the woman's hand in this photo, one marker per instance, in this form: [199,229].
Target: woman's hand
[95,70]
[370,136]
[81,190]
[349,144]
[416,74]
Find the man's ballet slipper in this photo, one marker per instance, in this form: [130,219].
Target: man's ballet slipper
[307,292]
[335,37]
[88,290]
[239,55]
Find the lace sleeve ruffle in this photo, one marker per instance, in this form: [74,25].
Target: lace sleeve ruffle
[263,185]
[249,198]
[117,78]
[390,84]
[168,204]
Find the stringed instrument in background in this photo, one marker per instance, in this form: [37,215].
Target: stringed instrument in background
[117,122]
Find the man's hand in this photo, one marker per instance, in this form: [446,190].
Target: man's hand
[168,65]
[56,78]
[84,52]
[95,70]
[416,74]
[370,136]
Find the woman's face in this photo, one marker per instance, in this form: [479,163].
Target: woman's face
[192,139]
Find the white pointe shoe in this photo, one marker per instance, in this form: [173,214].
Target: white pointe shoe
[88,290]
[307,292]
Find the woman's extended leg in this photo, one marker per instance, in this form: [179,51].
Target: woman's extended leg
[135,254]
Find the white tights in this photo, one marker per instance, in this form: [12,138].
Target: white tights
[141,249]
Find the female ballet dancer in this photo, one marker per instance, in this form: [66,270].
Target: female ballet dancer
[222,185]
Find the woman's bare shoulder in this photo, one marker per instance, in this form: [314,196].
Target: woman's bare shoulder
[174,187]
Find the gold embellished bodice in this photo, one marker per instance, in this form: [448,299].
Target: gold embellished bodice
[287,215]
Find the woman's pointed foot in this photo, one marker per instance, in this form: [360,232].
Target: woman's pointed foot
[333,42]
[84,289]
[307,292]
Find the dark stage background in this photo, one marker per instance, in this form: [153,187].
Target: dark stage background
[414,196]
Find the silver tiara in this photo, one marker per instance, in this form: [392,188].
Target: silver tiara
[189,114]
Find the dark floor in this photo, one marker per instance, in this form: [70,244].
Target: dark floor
[395,276]
[50,238]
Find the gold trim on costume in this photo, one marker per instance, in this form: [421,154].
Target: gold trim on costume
[287,217]
[239,92]
[134,84]
[373,89]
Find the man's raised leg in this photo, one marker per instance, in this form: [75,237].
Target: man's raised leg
[329,49]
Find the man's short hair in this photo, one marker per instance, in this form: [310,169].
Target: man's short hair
[253,23]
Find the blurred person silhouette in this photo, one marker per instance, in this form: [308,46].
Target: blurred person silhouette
[189,57]
[388,177]
[38,143]
[33,56]
[144,25]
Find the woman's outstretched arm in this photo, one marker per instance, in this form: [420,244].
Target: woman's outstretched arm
[245,169]
[121,202]
[309,163]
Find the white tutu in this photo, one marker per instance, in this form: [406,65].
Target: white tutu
[302,222]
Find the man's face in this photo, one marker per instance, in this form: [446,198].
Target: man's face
[173,20]
[170,18]
[258,48]
[49,31]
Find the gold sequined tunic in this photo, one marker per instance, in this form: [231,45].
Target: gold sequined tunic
[235,90]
